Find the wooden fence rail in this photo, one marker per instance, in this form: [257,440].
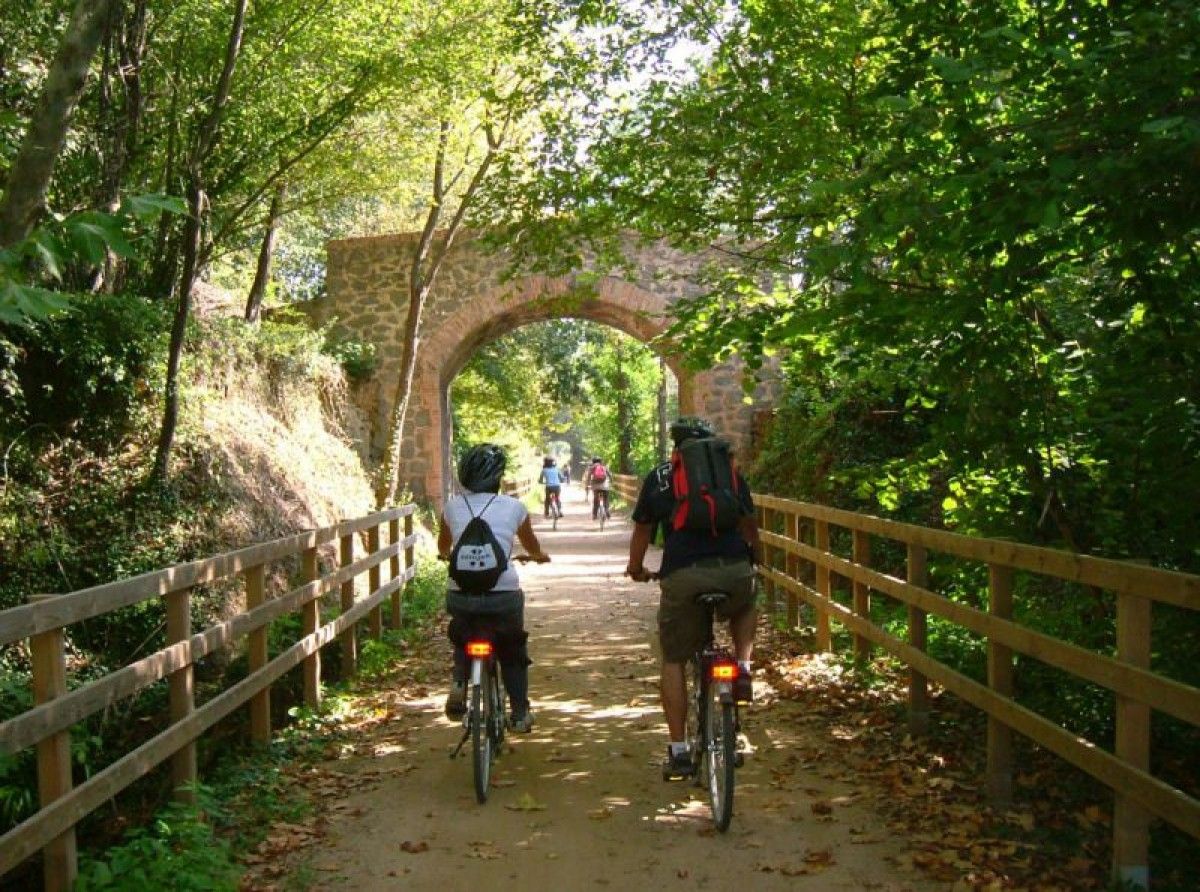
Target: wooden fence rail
[796,538]
[43,621]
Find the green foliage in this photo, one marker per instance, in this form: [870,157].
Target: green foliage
[178,851]
[358,359]
[92,372]
[567,382]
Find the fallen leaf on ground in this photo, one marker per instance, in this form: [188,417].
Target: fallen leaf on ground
[414,847]
[525,803]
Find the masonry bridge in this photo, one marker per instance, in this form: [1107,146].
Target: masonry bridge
[472,305]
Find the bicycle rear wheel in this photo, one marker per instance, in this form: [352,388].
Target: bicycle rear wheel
[719,759]
[481,736]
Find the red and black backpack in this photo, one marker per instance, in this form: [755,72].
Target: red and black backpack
[704,481]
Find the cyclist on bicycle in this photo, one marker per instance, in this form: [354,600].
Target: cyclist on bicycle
[502,610]
[598,480]
[552,477]
[694,562]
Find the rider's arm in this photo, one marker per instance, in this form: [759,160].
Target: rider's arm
[748,527]
[529,541]
[638,543]
[445,541]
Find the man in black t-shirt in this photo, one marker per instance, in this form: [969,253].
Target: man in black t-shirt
[694,562]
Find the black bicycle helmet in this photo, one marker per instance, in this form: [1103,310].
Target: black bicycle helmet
[690,427]
[482,467]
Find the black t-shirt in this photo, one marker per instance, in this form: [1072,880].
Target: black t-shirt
[656,504]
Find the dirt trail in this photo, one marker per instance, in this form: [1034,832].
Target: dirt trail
[579,803]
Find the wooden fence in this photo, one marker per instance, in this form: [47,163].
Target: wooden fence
[800,562]
[47,726]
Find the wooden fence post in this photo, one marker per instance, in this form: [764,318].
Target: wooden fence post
[181,693]
[350,636]
[311,619]
[862,594]
[767,520]
[1000,680]
[792,563]
[410,554]
[393,538]
[60,864]
[375,617]
[260,703]
[821,538]
[918,685]
[1131,822]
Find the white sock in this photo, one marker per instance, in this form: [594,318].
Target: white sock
[678,747]
[744,665]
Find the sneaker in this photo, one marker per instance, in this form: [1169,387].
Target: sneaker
[456,702]
[678,766]
[743,688]
[522,723]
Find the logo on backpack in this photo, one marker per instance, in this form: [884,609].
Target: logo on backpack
[704,482]
[477,559]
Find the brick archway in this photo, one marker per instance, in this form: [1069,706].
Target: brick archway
[471,306]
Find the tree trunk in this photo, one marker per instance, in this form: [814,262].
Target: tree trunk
[262,274]
[191,255]
[29,177]
[624,415]
[421,277]
[205,140]
[125,41]
[662,409]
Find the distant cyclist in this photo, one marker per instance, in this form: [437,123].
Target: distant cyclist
[502,609]
[552,477]
[598,480]
[693,562]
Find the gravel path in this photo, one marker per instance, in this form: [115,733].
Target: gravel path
[579,803]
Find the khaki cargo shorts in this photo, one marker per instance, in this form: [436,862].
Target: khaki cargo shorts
[681,621]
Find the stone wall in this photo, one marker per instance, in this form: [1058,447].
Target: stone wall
[471,305]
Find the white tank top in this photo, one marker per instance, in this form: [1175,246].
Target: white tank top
[504,515]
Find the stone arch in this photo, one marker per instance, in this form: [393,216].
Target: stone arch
[472,304]
[640,314]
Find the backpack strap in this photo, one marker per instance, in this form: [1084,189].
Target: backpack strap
[467,502]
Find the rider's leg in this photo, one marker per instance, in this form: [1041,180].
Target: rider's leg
[595,503]
[511,639]
[546,503]
[673,687]
[741,630]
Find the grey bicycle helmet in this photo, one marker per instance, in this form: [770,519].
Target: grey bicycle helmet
[482,467]
[690,427]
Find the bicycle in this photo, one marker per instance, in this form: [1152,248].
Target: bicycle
[713,725]
[483,723]
[713,722]
[556,510]
[602,511]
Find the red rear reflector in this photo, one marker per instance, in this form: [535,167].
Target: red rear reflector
[479,648]
[724,671]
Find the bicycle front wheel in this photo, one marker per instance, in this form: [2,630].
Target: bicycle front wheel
[481,738]
[719,761]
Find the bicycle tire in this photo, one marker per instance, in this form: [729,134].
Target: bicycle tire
[719,761]
[496,712]
[481,739]
[697,725]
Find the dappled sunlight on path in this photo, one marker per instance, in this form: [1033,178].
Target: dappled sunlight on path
[579,802]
